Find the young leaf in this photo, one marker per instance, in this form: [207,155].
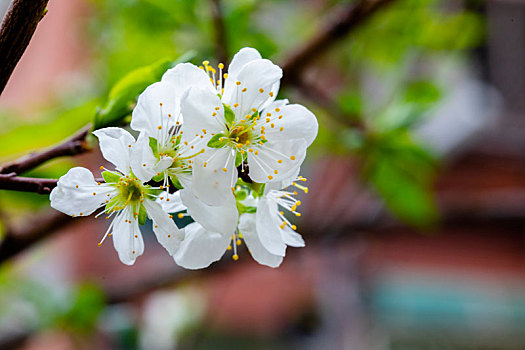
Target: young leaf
[229,116]
[218,141]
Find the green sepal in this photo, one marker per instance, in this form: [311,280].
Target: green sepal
[153,145]
[229,116]
[143,215]
[238,159]
[215,141]
[241,195]
[176,182]
[245,209]
[258,189]
[158,178]
[110,177]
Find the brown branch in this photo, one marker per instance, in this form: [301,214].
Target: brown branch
[12,182]
[221,41]
[41,227]
[347,19]
[73,146]
[18,27]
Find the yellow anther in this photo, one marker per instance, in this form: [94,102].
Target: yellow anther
[275,171]
[171,216]
[271,94]
[238,83]
[225,75]
[239,242]
[235,257]
[205,62]
[101,167]
[217,108]
[224,169]
[294,227]
[76,186]
[180,215]
[229,247]
[94,194]
[272,125]
[99,244]
[235,105]
[281,129]
[214,114]
[261,90]
[205,163]
[221,66]
[292,157]
[298,203]
[159,127]
[270,177]
[244,90]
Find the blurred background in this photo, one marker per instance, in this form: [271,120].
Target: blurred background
[414,221]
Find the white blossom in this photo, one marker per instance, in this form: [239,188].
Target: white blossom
[243,123]
[123,196]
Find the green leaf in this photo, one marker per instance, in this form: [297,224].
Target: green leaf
[218,141]
[124,93]
[110,177]
[83,314]
[153,145]
[229,116]
[402,173]
[143,215]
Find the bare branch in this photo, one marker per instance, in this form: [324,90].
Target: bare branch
[221,41]
[12,182]
[18,27]
[347,19]
[73,146]
[41,227]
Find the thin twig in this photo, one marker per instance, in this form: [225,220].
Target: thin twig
[41,227]
[71,147]
[18,27]
[221,39]
[347,19]
[12,182]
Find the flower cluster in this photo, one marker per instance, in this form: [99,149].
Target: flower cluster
[213,147]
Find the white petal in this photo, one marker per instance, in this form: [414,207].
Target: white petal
[279,185]
[273,105]
[174,205]
[198,105]
[74,193]
[211,184]
[241,58]
[200,247]
[149,114]
[297,122]
[115,145]
[142,159]
[222,219]
[258,78]
[268,230]
[127,239]
[284,156]
[247,228]
[168,234]
[292,238]
[186,75]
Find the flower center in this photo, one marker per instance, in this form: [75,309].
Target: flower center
[130,189]
[240,134]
